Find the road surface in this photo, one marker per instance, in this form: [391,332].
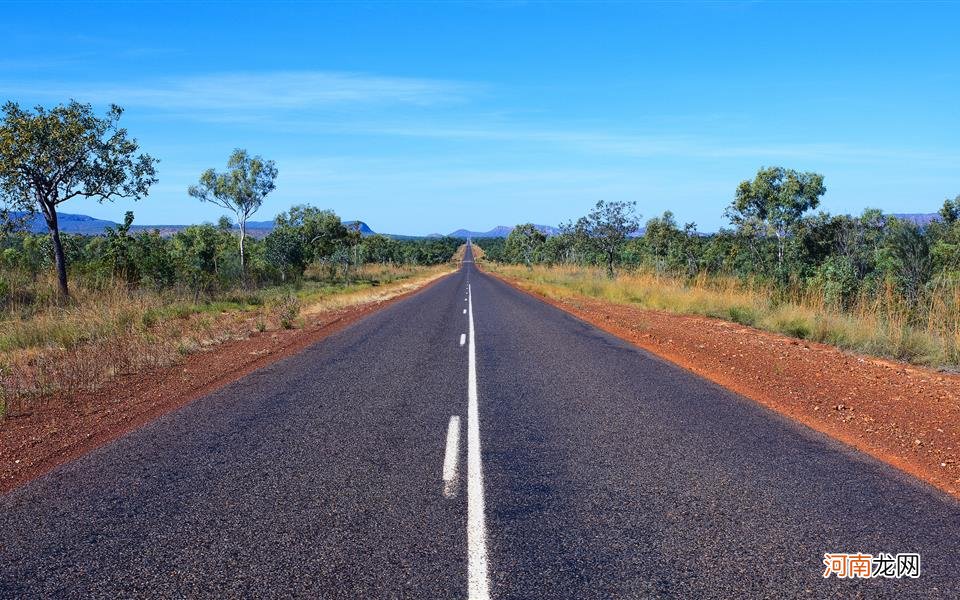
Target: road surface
[576,466]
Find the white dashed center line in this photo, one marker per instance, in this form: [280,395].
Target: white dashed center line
[450,458]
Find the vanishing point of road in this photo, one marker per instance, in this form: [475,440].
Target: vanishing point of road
[471,442]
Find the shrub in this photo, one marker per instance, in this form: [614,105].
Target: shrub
[286,309]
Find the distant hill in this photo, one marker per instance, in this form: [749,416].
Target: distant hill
[69,223]
[363,227]
[921,219]
[86,225]
[500,231]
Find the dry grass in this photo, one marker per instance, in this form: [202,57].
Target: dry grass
[49,352]
[882,324]
[412,278]
[478,253]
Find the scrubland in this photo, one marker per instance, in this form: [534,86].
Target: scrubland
[881,324]
[50,350]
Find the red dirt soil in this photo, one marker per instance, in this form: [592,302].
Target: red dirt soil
[906,416]
[37,442]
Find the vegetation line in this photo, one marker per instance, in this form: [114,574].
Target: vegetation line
[873,283]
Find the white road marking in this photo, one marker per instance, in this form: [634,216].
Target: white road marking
[450,458]
[478,585]
[463,339]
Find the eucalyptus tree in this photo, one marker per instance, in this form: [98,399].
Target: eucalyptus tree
[773,204]
[50,156]
[241,189]
[607,228]
[524,243]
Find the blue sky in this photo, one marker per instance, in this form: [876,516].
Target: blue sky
[426,117]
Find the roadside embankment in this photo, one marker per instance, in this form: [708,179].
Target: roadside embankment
[905,415]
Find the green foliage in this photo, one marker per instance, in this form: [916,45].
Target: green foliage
[905,258]
[837,276]
[772,204]
[945,240]
[197,255]
[203,261]
[48,157]
[605,230]
[846,262]
[241,189]
[524,244]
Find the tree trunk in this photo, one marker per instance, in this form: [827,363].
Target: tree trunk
[779,251]
[243,267]
[60,260]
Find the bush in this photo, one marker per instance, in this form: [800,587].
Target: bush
[838,280]
[287,309]
[743,315]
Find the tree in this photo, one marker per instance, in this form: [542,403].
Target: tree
[194,251]
[306,234]
[950,212]
[50,156]
[945,237]
[381,249]
[151,254]
[285,249]
[661,234]
[323,231]
[607,228]
[240,190]
[524,243]
[118,253]
[905,257]
[774,202]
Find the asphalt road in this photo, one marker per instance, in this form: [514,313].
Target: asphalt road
[584,468]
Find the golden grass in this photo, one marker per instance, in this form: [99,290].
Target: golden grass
[881,325]
[478,253]
[53,351]
[411,279]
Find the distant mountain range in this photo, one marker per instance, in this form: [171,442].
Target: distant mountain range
[86,225]
[921,219]
[499,231]
[68,223]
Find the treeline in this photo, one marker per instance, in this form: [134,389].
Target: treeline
[202,260]
[50,156]
[775,239]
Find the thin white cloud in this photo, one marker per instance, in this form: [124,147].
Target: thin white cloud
[691,146]
[257,92]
